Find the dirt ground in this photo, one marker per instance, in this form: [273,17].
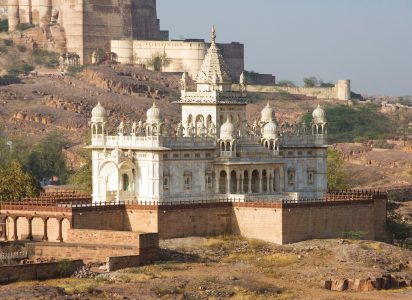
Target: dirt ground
[234,268]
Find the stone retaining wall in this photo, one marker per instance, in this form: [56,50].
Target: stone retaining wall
[38,271]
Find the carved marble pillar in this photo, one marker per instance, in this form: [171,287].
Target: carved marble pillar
[238,182]
[260,182]
[242,181]
[217,178]
[228,177]
[268,190]
[250,182]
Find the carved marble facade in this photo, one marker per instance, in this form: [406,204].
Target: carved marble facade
[212,153]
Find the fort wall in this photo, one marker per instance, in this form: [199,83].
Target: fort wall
[184,56]
[87,24]
[341,91]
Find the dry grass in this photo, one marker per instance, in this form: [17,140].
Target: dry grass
[239,257]
[276,261]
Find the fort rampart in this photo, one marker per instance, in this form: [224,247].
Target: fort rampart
[341,90]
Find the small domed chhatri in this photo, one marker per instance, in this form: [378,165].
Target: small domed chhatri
[227,130]
[267,114]
[270,130]
[319,122]
[153,114]
[99,113]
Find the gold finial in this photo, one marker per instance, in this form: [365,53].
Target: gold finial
[213,34]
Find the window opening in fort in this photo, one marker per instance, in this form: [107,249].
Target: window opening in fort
[291,177]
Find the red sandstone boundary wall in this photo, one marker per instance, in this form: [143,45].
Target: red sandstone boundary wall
[38,271]
[275,222]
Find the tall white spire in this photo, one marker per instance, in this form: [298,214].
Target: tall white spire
[214,69]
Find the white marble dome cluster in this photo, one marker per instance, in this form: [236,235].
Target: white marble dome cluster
[212,153]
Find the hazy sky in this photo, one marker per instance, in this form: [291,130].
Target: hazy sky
[367,41]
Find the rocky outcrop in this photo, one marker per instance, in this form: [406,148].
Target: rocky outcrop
[384,282]
[32,117]
[64,104]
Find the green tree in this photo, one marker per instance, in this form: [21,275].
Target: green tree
[285,83]
[4,25]
[16,183]
[310,81]
[326,84]
[356,123]
[47,159]
[337,178]
[398,227]
[83,177]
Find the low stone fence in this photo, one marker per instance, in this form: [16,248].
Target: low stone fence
[39,271]
[8,81]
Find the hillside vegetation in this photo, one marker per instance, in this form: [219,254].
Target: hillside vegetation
[357,123]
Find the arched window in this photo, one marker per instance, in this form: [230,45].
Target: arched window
[125,182]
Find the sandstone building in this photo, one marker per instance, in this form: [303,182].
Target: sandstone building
[82,26]
[212,153]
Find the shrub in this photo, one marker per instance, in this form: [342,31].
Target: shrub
[8,42]
[63,268]
[3,50]
[4,25]
[26,68]
[46,58]
[21,48]
[361,122]
[353,235]
[285,83]
[75,69]
[24,26]
[337,177]
[383,144]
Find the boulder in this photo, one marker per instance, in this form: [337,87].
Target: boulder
[340,285]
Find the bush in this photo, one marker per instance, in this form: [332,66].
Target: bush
[3,50]
[382,144]
[24,26]
[4,25]
[285,83]
[26,68]
[46,58]
[361,122]
[337,177]
[17,70]
[353,235]
[75,69]
[21,48]
[8,42]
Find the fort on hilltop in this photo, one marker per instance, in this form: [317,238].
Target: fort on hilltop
[82,26]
